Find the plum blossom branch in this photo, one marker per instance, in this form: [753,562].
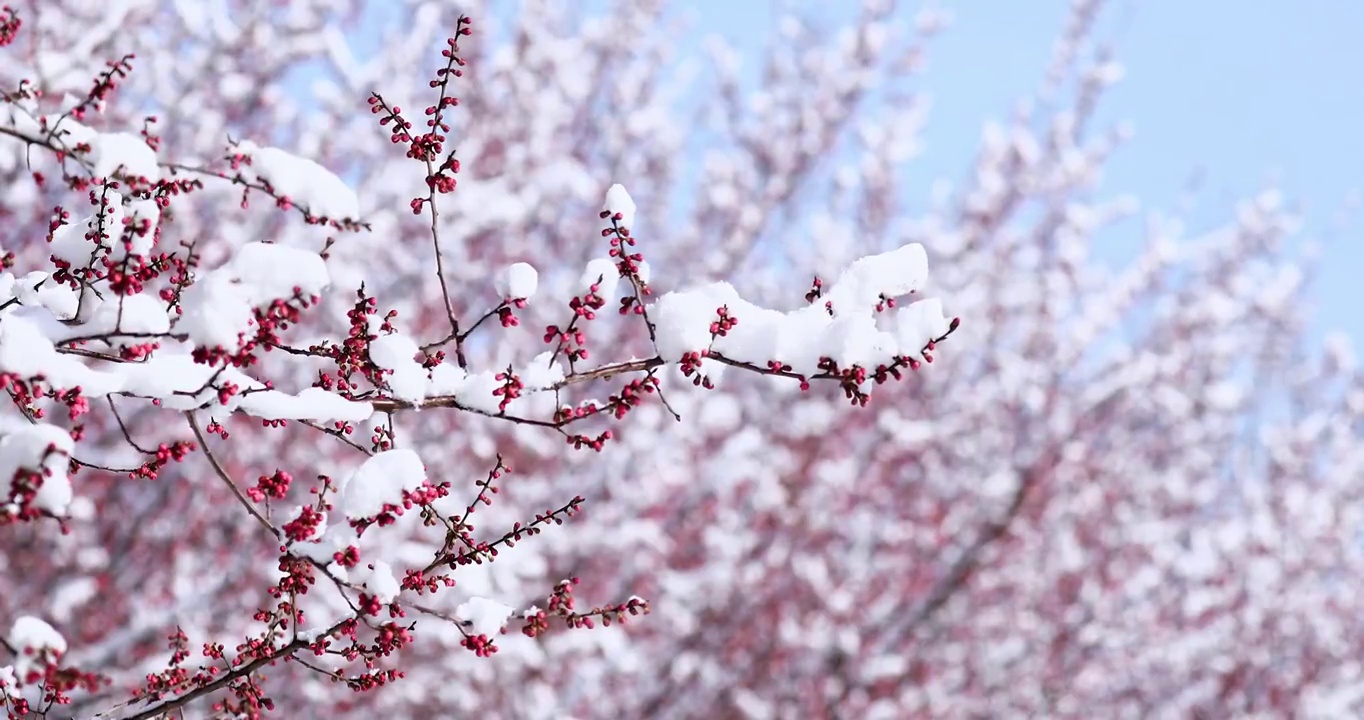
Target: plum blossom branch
[221,472]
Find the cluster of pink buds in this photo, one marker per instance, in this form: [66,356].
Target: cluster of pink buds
[723,323]
[9,25]
[271,486]
[165,454]
[690,365]
[509,390]
[506,313]
[561,605]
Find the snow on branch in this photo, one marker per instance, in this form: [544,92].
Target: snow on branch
[117,318]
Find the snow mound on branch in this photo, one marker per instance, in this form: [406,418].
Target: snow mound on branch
[304,182]
[603,273]
[517,281]
[379,581]
[27,352]
[37,289]
[80,242]
[381,480]
[920,323]
[484,616]
[218,309]
[36,646]
[217,313]
[619,201]
[269,271]
[313,404]
[396,353]
[475,390]
[890,274]
[173,378]
[124,153]
[32,639]
[75,242]
[41,449]
[845,330]
[121,152]
[139,314]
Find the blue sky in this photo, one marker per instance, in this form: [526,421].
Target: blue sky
[1243,92]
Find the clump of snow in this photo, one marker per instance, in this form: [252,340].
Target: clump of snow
[124,153]
[170,376]
[178,383]
[518,281]
[855,340]
[380,582]
[142,210]
[218,307]
[446,379]
[43,449]
[37,289]
[540,373]
[25,289]
[306,184]
[849,335]
[396,353]
[127,314]
[9,682]
[603,273]
[484,616]
[381,480]
[31,637]
[76,242]
[27,352]
[475,390]
[891,274]
[268,271]
[216,312]
[619,201]
[798,336]
[313,404]
[682,319]
[919,323]
[36,644]
[476,393]
[335,538]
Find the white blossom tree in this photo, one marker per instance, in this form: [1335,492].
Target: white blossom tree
[287,421]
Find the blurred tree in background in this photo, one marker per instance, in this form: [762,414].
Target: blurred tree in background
[1122,492]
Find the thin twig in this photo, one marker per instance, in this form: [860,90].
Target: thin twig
[227,678]
[222,474]
[127,435]
[336,434]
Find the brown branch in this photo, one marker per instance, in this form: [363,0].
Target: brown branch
[336,434]
[93,354]
[348,224]
[462,625]
[228,678]
[123,427]
[604,372]
[440,260]
[52,142]
[227,480]
[531,528]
